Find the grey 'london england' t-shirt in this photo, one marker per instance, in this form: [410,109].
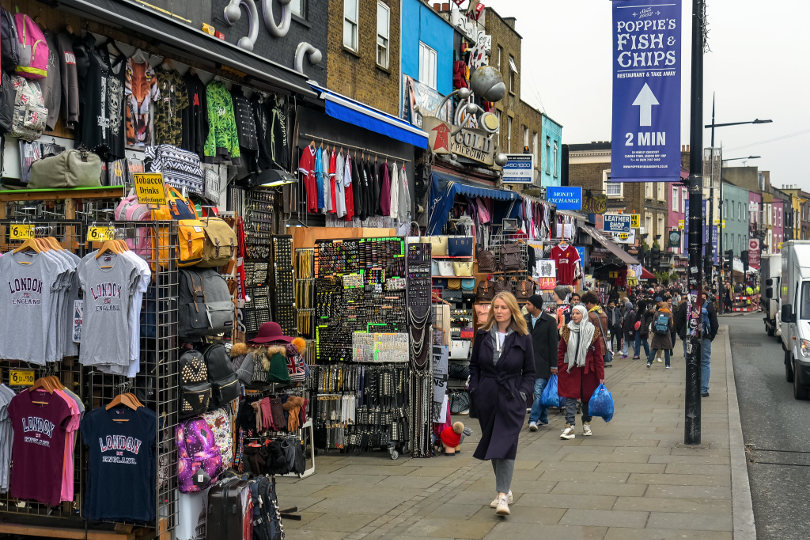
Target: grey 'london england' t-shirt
[107,283]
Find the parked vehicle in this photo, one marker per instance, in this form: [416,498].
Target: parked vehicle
[795,315]
[770,277]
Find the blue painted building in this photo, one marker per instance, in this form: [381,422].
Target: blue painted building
[735,214]
[550,159]
[427,46]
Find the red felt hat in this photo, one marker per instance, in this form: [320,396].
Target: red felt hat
[269,332]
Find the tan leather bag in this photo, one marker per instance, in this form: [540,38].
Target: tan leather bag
[219,244]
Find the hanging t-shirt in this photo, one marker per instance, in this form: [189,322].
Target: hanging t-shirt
[306,166]
[108,284]
[567,260]
[279,140]
[121,463]
[29,284]
[141,91]
[6,436]
[319,178]
[340,188]
[38,449]
[347,184]
[169,109]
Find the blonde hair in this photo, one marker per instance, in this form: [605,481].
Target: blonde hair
[518,323]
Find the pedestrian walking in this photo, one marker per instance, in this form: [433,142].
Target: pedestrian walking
[502,375]
[560,295]
[642,328]
[662,334]
[681,323]
[580,368]
[672,334]
[710,327]
[574,300]
[614,317]
[627,326]
[545,340]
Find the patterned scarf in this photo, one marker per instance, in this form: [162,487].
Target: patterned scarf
[580,339]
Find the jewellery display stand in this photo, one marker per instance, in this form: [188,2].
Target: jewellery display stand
[283,284]
[421,339]
[305,292]
[156,386]
[258,222]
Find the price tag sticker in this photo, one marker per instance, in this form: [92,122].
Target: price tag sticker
[21,377]
[100,234]
[20,231]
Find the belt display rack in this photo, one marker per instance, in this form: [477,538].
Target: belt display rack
[283,294]
[156,386]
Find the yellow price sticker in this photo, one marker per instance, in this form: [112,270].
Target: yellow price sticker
[100,234]
[21,377]
[20,231]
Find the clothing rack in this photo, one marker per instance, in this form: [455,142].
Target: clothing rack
[353,147]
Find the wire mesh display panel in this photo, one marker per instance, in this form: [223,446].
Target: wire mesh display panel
[156,384]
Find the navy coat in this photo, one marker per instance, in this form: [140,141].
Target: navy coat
[495,391]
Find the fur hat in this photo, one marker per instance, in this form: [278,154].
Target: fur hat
[300,344]
[458,428]
[293,402]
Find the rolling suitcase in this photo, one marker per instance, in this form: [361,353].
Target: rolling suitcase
[227,507]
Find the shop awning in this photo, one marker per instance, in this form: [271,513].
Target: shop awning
[646,274]
[165,30]
[353,112]
[443,191]
[610,245]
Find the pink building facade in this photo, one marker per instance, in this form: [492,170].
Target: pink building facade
[777,225]
[676,214]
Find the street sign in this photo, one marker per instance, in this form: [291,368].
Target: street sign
[625,238]
[753,253]
[616,223]
[681,224]
[674,239]
[566,198]
[635,221]
[646,91]
[519,169]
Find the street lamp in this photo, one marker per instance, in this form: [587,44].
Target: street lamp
[708,260]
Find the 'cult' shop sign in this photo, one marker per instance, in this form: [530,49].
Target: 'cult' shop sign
[473,144]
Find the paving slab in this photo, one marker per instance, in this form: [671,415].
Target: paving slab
[634,479]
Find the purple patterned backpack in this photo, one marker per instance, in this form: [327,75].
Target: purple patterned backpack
[199,460]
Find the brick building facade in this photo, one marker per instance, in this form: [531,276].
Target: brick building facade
[353,69]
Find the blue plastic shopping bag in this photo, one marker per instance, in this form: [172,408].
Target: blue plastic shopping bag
[601,403]
[550,397]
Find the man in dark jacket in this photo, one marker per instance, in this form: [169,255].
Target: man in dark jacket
[710,327]
[614,316]
[597,317]
[543,330]
[680,323]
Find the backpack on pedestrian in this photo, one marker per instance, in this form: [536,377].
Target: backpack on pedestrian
[661,326]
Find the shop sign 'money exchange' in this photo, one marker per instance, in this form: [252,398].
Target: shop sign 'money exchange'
[472,144]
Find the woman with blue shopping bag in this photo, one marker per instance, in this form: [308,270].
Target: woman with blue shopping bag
[580,368]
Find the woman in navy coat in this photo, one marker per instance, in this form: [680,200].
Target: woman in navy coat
[502,375]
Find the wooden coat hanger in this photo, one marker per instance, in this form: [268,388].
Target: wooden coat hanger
[111,246]
[30,243]
[127,399]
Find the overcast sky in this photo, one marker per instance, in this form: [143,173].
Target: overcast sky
[758,66]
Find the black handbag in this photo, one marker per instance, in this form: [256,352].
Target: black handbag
[450,295]
[459,402]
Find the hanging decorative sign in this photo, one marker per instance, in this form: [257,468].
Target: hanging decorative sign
[519,169]
[594,204]
[566,198]
[474,144]
[149,188]
[646,91]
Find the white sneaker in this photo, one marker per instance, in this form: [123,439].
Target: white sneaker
[586,430]
[503,506]
[509,499]
[568,432]
[532,426]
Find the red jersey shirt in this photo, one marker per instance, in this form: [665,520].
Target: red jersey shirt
[306,166]
[567,260]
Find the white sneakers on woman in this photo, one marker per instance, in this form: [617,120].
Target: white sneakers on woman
[568,432]
[507,500]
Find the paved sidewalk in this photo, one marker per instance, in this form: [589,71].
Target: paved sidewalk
[633,478]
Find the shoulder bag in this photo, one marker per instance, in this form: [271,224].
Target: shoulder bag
[608,356]
[485,291]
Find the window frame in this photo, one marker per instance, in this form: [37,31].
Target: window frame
[554,167]
[303,4]
[426,51]
[509,120]
[607,183]
[387,46]
[675,198]
[648,190]
[354,24]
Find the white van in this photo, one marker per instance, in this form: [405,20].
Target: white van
[770,276]
[795,315]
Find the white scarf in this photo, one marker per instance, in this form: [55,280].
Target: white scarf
[581,337]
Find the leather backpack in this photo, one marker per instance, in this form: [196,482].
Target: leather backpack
[204,304]
[195,390]
[224,382]
[523,289]
[510,258]
[486,261]
[485,291]
[501,285]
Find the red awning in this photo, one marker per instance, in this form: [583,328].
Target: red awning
[646,274]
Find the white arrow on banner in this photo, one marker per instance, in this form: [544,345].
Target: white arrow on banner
[645,101]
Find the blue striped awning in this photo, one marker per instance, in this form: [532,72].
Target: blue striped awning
[353,112]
